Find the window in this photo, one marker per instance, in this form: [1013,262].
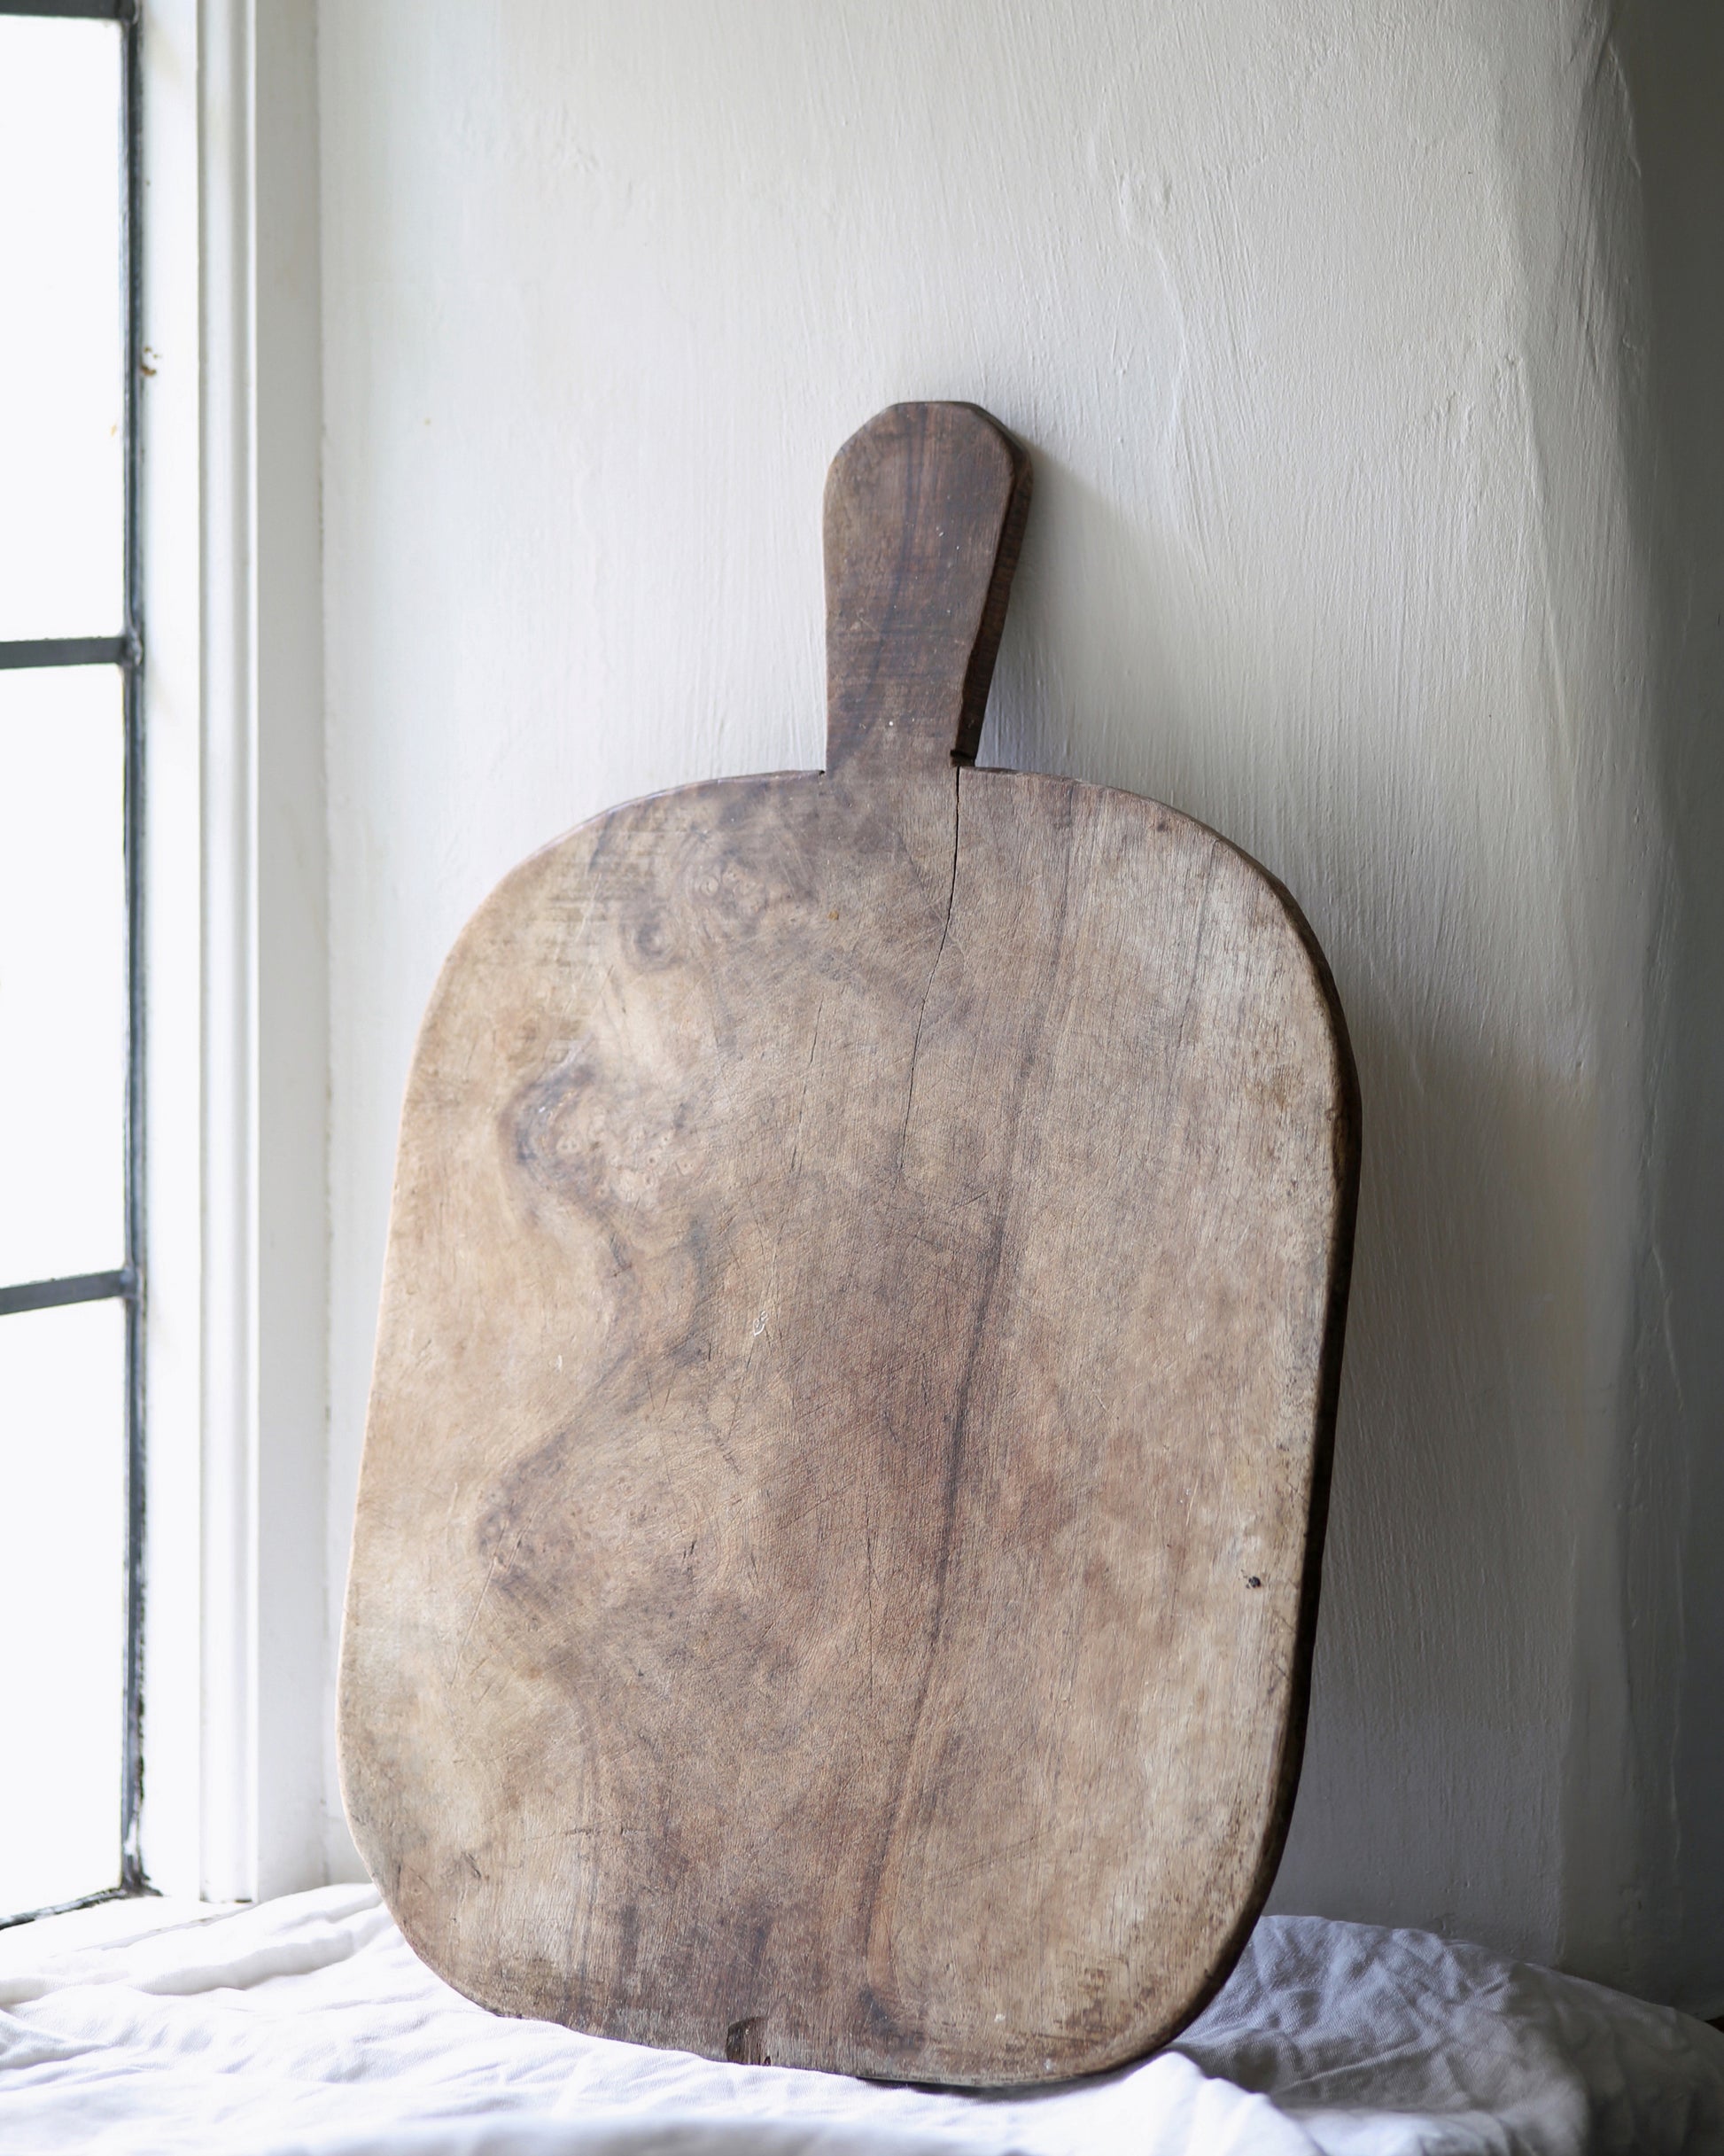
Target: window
[71,1007]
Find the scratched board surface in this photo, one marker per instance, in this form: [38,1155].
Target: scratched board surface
[836,1549]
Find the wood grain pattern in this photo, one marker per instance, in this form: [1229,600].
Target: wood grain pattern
[836,1552]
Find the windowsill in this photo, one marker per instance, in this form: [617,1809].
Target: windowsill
[114,1923]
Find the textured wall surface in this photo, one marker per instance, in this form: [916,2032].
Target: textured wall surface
[1335,333]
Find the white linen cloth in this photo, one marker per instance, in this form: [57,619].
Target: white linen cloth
[307,2025]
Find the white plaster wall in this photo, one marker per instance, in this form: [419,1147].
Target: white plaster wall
[1319,317]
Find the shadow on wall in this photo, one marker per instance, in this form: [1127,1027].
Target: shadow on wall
[1671,53]
[1437,1630]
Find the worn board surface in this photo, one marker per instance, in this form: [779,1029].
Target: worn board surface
[836,1550]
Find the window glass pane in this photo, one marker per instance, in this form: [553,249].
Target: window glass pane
[62,1601]
[62,973]
[62,358]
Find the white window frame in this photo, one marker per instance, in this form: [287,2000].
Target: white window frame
[236,1636]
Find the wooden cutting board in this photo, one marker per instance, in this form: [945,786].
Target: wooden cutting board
[837,1544]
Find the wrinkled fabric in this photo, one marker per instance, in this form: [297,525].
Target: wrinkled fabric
[307,2025]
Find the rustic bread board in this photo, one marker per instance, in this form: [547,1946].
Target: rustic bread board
[836,1551]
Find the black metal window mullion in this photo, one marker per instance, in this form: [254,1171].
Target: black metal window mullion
[125,652]
[131,1773]
[66,650]
[123,12]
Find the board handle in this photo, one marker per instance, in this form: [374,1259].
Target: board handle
[925,511]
